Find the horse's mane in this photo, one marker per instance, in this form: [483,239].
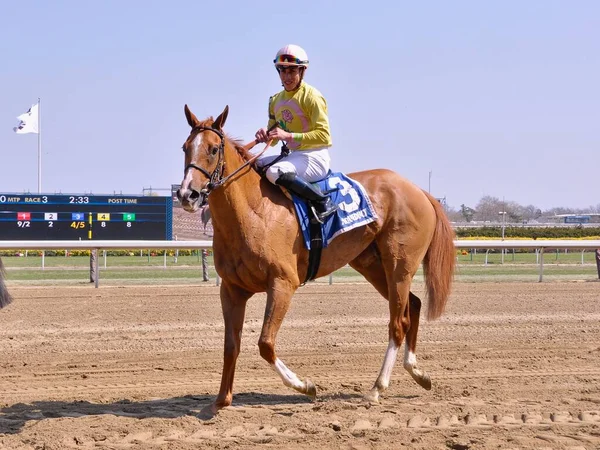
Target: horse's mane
[237,143]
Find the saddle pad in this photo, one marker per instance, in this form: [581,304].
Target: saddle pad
[354,208]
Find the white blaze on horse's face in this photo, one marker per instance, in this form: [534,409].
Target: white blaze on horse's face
[188,193]
[192,155]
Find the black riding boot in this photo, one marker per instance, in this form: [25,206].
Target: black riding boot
[324,206]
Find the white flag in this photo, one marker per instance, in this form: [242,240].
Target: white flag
[28,122]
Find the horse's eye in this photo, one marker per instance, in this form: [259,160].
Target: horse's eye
[214,150]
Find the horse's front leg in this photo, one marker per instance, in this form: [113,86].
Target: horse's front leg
[278,302]
[233,304]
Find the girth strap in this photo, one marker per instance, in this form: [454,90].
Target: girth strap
[314,254]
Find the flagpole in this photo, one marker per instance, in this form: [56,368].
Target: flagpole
[39,146]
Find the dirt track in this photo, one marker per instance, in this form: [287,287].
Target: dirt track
[513,365]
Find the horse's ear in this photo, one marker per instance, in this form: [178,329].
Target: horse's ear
[191,118]
[220,122]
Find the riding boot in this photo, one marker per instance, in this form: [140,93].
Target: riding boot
[323,203]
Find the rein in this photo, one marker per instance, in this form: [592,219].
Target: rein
[216,177]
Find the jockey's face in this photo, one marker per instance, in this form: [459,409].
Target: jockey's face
[290,77]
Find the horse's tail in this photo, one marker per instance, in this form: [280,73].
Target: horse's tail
[439,262]
[5,297]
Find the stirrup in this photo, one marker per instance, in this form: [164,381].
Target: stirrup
[321,216]
[315,215]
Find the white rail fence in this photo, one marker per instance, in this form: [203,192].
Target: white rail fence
[538,245]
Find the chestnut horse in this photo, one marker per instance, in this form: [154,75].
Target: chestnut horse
[258,247]
[5,297]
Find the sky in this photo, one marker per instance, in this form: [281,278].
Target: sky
[465,98]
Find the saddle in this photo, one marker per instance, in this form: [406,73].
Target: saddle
[325,209]
[351,208]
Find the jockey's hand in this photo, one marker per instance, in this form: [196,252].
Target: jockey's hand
[262,135]
[281,134]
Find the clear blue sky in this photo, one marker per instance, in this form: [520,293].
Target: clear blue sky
[497,98]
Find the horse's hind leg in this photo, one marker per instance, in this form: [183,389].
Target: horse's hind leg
[278,303]
[410,348]
[369,265]
[398,327]
[412,315]
[405,308]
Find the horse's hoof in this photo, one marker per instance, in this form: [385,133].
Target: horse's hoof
[423,380]
[311,389]
[208,412]
[372,396]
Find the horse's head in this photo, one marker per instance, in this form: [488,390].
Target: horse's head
[204,159]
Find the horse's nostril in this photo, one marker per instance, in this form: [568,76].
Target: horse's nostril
[194,195]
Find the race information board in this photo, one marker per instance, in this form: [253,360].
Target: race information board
[85,217]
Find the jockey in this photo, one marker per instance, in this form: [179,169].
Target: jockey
[298,117]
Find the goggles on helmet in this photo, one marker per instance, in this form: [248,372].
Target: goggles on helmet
[289,59]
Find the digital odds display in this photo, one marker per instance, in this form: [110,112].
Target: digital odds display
[85,217]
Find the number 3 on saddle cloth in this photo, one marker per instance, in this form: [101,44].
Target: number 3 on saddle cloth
[354,210]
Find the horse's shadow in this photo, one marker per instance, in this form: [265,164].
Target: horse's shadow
[13,417]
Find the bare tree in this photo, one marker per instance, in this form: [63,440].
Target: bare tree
[488,209]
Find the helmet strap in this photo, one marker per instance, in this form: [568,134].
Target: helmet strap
[302,69]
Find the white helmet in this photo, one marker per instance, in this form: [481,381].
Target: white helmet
[291,55]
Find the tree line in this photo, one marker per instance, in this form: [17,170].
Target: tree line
[492,209]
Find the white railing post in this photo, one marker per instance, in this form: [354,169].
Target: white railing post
[97,279]
[205,275]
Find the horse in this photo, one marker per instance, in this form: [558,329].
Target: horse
[258,247]
[5,297]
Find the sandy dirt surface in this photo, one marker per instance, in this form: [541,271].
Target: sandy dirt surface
[513,365]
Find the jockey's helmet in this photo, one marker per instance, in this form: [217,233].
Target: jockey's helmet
[291,55]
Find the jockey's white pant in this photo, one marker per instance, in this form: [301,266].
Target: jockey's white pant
[310,165]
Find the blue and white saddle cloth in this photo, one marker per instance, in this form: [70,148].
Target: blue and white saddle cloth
[354,208]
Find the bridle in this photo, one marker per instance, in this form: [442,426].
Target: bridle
[217,178]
